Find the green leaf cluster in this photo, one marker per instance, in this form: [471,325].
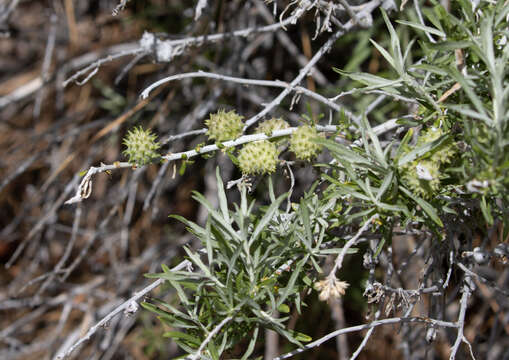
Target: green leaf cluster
[461,83]
[256,263]
[452,156]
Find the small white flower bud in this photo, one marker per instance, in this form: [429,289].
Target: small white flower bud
[480,256]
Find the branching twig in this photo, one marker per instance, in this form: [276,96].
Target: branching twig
[460,324]
[119,309]
[306,69]
[209,337]
[365,339]
[353,241]
[396,320]
[482,279]
[180,43]
[92,69]
[268,83]
[85,187]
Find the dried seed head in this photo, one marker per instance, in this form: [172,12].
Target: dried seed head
[331,288]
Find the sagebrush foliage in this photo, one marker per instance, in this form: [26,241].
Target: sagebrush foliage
[247,275]
[452,155]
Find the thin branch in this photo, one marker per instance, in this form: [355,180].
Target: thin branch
[277,83]
[365,340]
[288,44]
[209,337]
[460,324]
[306,69]
[339,260]
[20,169]
[21,92]
[303,73]
[482,279]
[39,225]
[171,44]
[94,67]
[85,187]
[5,15]
[389,321]
[349,10]
[118,310]
[50,46]
[67,251]
[121,6]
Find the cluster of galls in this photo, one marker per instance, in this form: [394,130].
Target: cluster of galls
[261,157]
[258,157]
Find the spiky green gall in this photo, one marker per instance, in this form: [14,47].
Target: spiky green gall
[445,152]
[224,126]
[429,135]
[301,143]
[422,177]
[268,126]
[141,146]
[258,157]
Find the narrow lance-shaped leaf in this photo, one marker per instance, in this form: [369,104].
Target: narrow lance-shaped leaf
[384,53]
[385,185]
[266,218]
[219,220]
[426,29]
[251,345]
[223,203]
[343,152]
[372,81]
[487,42]
[295,274]
[465,85]
[193,227]
[196,259]
[376,144]
[422,150]
[426,207]
[304,217]
[395,45]
[208,244]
